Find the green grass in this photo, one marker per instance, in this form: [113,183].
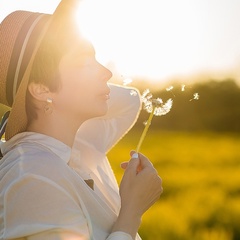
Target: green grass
[201,180]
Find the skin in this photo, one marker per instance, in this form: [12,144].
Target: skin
[83,84]
[83,95]
[140,188]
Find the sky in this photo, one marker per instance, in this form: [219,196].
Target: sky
[157,39]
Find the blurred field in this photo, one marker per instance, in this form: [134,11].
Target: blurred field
[201,179]
[199,163]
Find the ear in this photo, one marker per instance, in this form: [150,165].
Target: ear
[39,91]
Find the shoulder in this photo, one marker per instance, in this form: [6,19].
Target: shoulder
[32,160]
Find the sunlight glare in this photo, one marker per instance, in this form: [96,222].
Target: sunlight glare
[147,38]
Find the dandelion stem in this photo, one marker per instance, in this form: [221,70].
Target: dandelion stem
[145,130]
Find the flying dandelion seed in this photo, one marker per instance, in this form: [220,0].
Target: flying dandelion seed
[157,107]
[145,123]
[183,87]
[195,97]
[169,88]
[133,93]
[127,81]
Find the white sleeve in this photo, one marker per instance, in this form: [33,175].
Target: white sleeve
[105,132]
[119,236]
[41,209]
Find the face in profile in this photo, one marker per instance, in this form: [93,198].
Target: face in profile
[84,91]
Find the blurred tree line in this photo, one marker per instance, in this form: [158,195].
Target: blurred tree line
[218,107]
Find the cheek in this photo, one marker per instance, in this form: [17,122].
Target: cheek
[79,92]
[75,95]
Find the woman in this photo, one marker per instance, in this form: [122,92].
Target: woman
[56,182]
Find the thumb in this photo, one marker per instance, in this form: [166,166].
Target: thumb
[133,154]
[133,164]
[144,161]
[124,165]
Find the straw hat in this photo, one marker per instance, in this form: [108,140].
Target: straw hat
[21,35]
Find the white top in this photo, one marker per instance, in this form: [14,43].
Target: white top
[43,194]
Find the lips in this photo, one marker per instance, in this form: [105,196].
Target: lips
[105,95]
[108,96]
[107,92]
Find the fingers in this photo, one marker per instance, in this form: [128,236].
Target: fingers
[141,185]
[144,160]
[135,155]
[133,164]
[137,163]
[140,162]
[132,152]
[124,165]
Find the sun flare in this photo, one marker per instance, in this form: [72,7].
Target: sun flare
[150,38]
[138,37]
[155,39]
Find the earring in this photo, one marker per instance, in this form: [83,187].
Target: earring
[48,107]
[49,100]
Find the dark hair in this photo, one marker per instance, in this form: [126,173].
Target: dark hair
[46,62]
[44,71]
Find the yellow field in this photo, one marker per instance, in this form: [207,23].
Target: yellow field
[201,179]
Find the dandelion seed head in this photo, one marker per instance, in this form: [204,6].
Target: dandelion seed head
[149,96]
[164,108]
[157,105]
[157,102]
[148,106]
[146,98]
[145,93]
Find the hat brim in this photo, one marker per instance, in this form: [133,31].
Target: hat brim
[17,121]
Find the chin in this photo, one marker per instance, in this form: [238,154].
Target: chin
[102,110]
[102,113]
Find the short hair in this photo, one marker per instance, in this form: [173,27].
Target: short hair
[45,66]
[44,71]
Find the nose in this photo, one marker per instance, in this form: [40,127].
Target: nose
[107,74]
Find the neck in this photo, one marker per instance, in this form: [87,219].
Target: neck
[60,128]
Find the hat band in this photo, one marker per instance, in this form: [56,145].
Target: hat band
[3,123]
[22,52]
